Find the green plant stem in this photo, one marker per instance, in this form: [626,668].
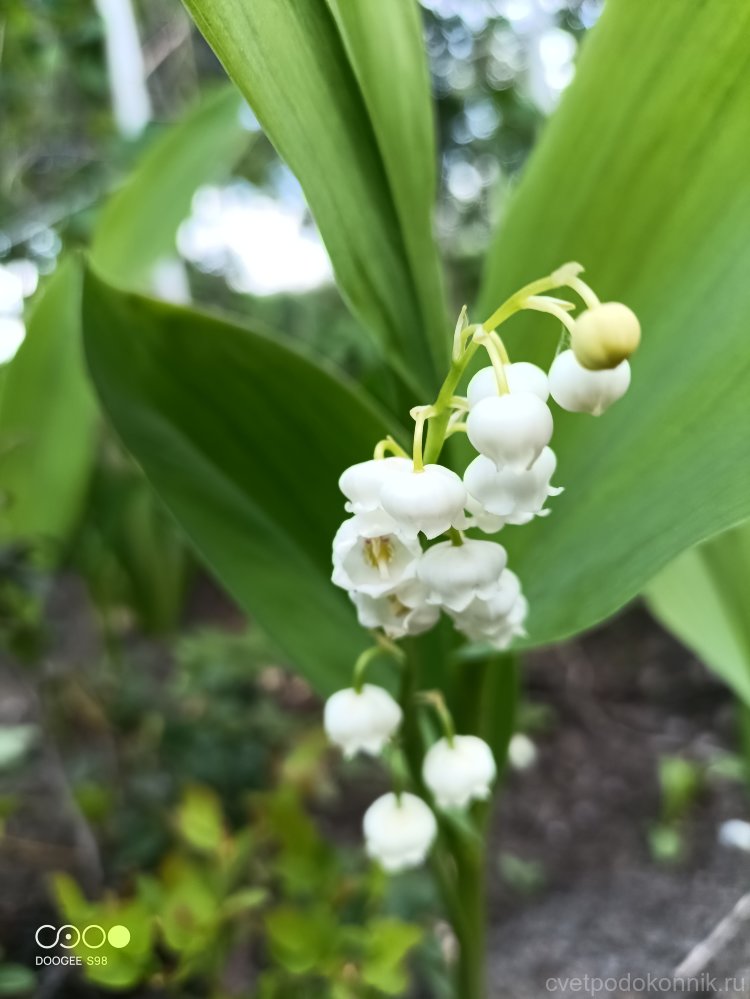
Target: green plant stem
[471,929]
[458,857]
[438,423]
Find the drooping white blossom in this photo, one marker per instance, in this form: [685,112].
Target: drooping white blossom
[460,770]
[361,721]
[457,574]
[399,830]
[499,632]
[489,611]
[430,500]
[403,612]
[516,497]
[521,376]
[512,430]
[370,556]
[580,390]
[361,483]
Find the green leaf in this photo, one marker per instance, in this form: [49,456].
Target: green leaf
[200,821]
[641,176]
[16,980]
[47,417]
[389,942]
[244,438]
[385,47]
[704,598]
[137,226]
[289,61]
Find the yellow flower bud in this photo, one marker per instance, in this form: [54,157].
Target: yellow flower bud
[605,335]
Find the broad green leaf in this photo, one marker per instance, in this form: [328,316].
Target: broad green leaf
[289,61]
[385,46]
[642,177]
[47,418]
[137,226]
[704,598]
[244,438]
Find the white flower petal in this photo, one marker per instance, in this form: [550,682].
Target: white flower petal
[361,721]
[512,430]
[460,772]
[429,501]
[456,574]
[580,390]
[399,830]
[361,483]
[521,376]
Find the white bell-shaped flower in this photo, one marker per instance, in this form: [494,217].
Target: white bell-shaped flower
[499,632]
[517,497]
[369,558]
[580,390]
[521,376]
[430,501]
[361,483]
[490,612]
[456,574]
[401,613]
[361,721]
[399,830]
[460,770]
[510,429]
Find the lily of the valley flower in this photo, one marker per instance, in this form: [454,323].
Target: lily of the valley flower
[399,831]
[521,376]
[401,613]
[459,770]
[370,557]
[457,574]
[499,632]
[361,483]
[430,500]
[580,390]
[361,720]
[516,497]
[510,429]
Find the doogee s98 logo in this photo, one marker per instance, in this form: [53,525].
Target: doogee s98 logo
[92,936]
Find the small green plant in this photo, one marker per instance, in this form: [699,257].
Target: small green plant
[312,919]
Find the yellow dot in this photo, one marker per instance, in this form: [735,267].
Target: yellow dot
[119,936]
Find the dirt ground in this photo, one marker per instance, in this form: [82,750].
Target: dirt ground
[588,901]
[623,697]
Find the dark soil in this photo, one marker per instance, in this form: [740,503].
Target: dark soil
[622,698]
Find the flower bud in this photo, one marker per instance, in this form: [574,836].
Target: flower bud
[430,501]
[399,830]
[521,376]
[580,390]
[460,772]
[510,429]
[361,721]
[605,335]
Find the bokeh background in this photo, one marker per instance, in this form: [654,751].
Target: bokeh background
[156,751]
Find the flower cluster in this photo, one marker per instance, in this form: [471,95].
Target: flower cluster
[400,828]
[404,555]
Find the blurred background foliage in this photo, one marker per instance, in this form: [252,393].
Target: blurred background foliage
[185,758]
